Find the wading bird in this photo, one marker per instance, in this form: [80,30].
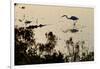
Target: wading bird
[74,18]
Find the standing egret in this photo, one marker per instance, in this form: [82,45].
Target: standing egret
[74,18]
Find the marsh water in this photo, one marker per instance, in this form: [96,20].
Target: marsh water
[50,16]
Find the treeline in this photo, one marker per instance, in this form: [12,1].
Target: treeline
[28,51]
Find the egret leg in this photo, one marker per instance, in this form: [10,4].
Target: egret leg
[74,24]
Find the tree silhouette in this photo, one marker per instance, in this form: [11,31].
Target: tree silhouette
[28,51]
[23,39]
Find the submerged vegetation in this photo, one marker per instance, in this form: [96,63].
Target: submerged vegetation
[28,51]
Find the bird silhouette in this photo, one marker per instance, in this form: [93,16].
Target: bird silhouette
[74,18]
[27,22]
[23,7]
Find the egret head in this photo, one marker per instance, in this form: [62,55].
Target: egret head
[64,16]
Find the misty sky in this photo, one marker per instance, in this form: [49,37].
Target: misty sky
[51,16]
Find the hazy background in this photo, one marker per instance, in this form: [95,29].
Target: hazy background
[5,23]
[51,16]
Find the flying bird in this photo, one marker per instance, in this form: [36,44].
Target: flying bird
[27,22]
[23,7]
[74,18]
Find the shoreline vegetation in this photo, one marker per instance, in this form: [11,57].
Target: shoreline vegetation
[28,51]
[52,34]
